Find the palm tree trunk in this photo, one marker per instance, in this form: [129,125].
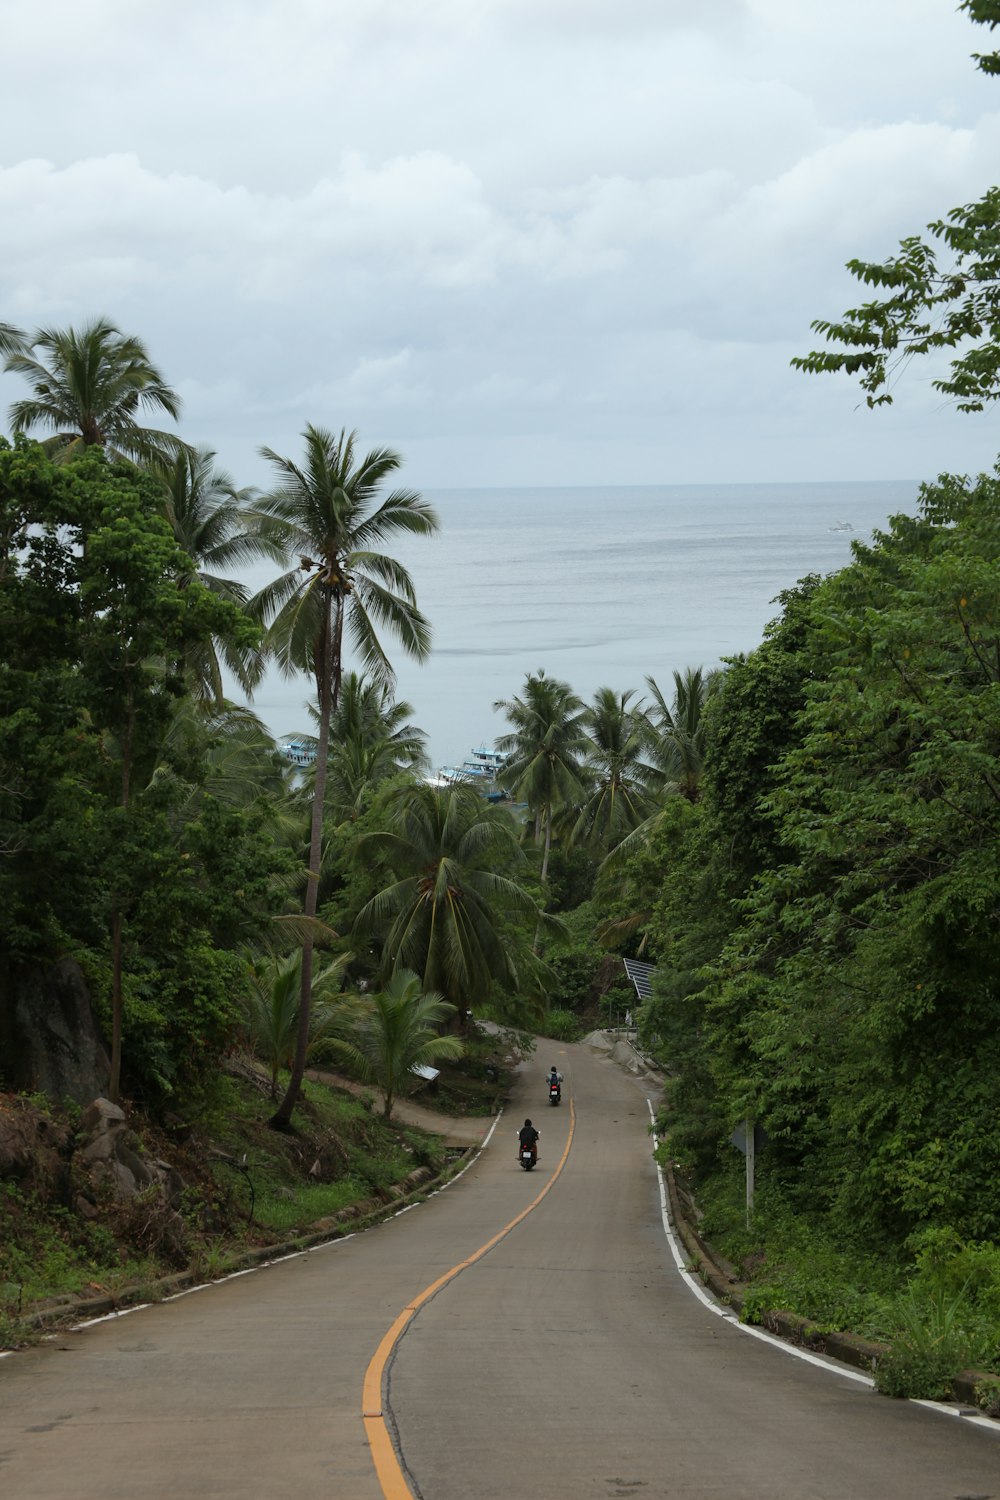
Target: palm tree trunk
[281,1120]
[548,844]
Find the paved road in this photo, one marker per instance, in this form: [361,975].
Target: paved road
[569,1361]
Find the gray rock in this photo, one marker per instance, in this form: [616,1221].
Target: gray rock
[49,1039]
[599,1041]
[625,1055]
[102,1123]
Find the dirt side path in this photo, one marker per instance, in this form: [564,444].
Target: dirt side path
[455,1130]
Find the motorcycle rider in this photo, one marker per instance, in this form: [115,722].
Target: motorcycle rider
[528,1136]
[555,1080]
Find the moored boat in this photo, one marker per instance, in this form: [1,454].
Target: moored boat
[479,770]
[298,748]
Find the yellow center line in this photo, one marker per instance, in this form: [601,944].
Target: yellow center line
[387,1465]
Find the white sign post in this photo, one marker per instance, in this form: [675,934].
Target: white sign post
[743,1139]
[748,1127]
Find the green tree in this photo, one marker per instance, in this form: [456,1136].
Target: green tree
[368,715]
[371,741]
[398,1033]
[679,729]
[224,753]
[676,740]
[87,386]
[929,304]
[134,615]
[616,770]
[750,727]
[93,610]
[543,751]
[208,517]
[272,1008]
[447,909]
[855,1007]
[328,513]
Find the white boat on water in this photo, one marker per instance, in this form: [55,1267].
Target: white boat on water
[841,526]
[299,749]
[480,770]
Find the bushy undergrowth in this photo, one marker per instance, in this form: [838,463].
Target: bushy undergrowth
[245,1185]
[46,1251]
[561,1026]
[936,1306]
[793,1264]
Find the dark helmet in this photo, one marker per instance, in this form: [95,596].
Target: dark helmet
[527,1122]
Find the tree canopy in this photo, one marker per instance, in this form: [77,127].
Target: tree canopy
[330,512]
[827,926]
[88,385]
[939,295]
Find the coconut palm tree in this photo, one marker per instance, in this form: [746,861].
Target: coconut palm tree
[88,384]
[371,740]
[617,770]
[444,912]
[542,752]
[272,1008]
[239,762]
[679,749]
[398,1032]
[367,714]
[208,516]
[12,340]
[328,513]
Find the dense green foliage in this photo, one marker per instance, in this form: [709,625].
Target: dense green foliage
[450,904]
[831,971]
[399,1030]
[109,855]
[929,304]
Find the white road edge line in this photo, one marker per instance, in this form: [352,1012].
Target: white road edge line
[721,1311]
[203,1286]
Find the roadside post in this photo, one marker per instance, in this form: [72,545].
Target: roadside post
[747,1138]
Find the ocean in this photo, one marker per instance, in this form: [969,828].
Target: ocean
[599,586]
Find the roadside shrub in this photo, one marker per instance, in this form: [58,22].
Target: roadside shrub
[934,1345]
[561,1026]
[988,1397]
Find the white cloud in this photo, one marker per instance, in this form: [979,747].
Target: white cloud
[520,229]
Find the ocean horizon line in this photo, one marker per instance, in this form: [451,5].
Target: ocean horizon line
[694,484]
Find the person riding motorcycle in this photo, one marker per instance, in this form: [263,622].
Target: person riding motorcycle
[528,1136]
[555,1081]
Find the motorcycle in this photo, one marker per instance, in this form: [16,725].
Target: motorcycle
[527,1156]
[555,1093]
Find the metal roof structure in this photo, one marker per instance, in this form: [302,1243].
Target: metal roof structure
[424,1070]
[641,976]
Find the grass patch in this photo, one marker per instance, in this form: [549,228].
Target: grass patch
[283,1213]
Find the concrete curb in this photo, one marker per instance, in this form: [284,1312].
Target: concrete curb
[63,1312]
[722,1280]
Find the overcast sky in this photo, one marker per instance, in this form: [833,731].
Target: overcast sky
[522,241]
